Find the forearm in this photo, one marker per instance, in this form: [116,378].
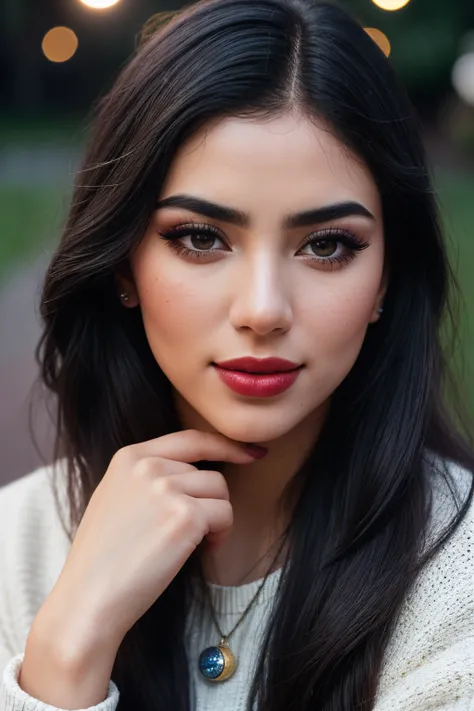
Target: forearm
[66,665]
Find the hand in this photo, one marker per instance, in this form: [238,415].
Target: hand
[149,512]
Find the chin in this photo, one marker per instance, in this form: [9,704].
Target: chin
[254,425]
[253,432]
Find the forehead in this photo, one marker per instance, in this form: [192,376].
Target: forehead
[281,163]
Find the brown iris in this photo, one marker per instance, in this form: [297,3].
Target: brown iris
[324,247]
[201,241]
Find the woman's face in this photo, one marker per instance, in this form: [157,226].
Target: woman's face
[255,286]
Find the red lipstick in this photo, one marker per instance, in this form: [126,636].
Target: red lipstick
[258,377]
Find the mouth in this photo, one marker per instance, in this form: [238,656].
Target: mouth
[259,366]
[262,383]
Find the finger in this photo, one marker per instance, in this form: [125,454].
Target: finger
[219,516]
[202,484]
[195,446]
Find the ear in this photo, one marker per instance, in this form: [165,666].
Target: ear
[125,284]
[380,298]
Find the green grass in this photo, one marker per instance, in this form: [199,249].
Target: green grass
[31,217]
[456,194]
[22,130]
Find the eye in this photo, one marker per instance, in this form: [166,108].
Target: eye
[323,247]
[333,246]
[202,238]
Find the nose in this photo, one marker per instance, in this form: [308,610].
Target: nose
[261,301]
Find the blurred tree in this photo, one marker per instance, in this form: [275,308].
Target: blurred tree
[19,23]
[425,36]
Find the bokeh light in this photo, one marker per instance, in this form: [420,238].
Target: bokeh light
[59,44]
[390,4]
[380,38]
[462,77]
[99,4]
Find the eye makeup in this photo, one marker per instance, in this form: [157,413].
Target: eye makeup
[346,244]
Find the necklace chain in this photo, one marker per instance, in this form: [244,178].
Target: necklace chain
[224,637]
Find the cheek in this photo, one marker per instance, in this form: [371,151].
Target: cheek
[169,312]
[177,313]
[351,315]
[337,316]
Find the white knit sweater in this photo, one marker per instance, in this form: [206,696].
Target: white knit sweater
[428,665]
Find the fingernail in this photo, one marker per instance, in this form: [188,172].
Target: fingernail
[256,450]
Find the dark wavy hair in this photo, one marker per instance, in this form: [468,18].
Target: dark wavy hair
[359,528]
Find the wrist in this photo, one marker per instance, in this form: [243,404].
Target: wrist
[65,667]
[73,635]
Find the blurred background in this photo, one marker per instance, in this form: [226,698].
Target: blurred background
[58,57]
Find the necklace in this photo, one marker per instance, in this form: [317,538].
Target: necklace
[218,662]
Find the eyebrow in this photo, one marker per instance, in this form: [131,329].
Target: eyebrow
[223,213]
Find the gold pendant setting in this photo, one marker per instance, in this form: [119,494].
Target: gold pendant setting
[217,663]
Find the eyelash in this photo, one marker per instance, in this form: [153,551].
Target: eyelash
[350,241]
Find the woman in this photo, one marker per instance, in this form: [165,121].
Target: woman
[267,504]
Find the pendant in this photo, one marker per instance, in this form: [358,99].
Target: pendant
[217,663]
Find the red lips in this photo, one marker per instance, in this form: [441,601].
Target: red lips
[258,377]
[258,365]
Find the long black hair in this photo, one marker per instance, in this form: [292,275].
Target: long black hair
[359,531]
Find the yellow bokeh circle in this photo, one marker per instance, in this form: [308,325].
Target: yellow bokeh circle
[59,44]
[379,38]
[391,4]
[99,4]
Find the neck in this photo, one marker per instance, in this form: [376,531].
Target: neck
[260,514]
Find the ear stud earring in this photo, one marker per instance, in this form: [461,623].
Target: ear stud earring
[380,309]
[124,296]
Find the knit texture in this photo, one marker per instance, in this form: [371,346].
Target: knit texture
[428,665]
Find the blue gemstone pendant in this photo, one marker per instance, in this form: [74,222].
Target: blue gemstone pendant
[217,663]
